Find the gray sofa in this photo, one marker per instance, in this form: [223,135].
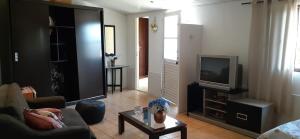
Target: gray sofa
[12,123]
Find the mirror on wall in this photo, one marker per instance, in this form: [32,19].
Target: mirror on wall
[110,40]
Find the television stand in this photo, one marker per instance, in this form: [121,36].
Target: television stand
[211,102]
[215,101]
[211,105]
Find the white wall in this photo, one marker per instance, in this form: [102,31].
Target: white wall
[226,29]
[190,39]
[155,51]
[118,19]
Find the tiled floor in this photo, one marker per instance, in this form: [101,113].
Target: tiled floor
[127,100]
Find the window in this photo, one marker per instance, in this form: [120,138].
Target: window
[297,57]
[170,37]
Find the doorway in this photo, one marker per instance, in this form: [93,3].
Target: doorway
[143,53]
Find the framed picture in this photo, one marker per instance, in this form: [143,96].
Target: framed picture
[110,40]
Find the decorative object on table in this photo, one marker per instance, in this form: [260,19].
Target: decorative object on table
[112,58]
[138,110]
[159,107]
[56,80]
[51,24]
[154,26]
[110,40]
[28,92]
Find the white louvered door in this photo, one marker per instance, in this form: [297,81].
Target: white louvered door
[171,66]
[171,81]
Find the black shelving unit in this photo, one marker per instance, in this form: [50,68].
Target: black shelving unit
[63,67]
[62,27]
[60,51]
[214,102]
[210,102]
[59,61]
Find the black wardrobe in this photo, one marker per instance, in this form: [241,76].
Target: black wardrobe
[56,48]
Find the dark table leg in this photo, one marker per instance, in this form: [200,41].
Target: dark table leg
[183,133]
[112,81]
[106,87]
[153,137]
[121,79]
[115,80]
[121,124]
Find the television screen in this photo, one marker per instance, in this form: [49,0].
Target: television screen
[215,70]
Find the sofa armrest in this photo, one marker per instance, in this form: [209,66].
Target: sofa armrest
[47,102]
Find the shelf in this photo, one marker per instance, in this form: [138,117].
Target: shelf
[58,61]
[215,101]
[56,44]
[233,91]
[214,117]
[62,27]
[215,109]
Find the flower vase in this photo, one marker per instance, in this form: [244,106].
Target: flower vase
[160,116]
[112,63]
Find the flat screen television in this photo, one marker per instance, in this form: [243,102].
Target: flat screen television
[218,72]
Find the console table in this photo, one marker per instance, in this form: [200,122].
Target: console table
[113,76]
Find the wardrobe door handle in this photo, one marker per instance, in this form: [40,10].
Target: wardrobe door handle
[16,56]
[241,116]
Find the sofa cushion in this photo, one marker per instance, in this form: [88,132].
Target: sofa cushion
[57,112]
[72,118]
[12,101]
[40,122]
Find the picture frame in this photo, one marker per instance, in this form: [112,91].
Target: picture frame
[110,40]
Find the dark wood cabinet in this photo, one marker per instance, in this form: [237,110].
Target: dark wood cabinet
[56,48]
[244,116]
[5,55]
[30,45]
[250,114]
[194,98]
[89,52]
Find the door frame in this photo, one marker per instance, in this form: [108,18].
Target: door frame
[133,53]
[145,49]
[137,71]
[178,52]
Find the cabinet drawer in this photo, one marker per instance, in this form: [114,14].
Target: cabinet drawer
[243,116]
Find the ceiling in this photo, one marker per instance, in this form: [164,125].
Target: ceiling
[137,6]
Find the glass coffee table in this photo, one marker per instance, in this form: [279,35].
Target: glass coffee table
[145,122]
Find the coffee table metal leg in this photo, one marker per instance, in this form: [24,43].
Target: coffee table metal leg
[183,133]
[153,137]
[121,124]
